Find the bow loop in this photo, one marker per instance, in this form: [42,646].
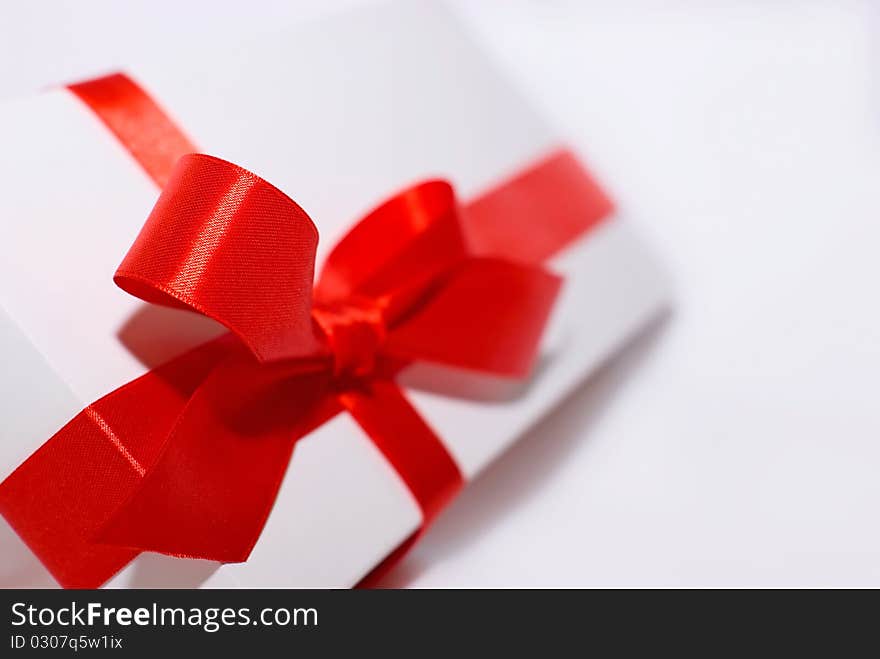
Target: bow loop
[223,242]
[488,316]
[398,251]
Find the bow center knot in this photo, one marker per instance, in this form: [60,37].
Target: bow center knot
[355,330]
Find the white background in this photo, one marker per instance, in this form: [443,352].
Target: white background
[737,443]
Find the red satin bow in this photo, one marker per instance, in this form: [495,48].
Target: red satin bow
[399,287]
[188,458]
[219,423]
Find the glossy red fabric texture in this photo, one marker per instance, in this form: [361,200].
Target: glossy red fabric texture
[187,459]
[142,127]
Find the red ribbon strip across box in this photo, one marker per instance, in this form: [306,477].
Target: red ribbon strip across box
[187,459]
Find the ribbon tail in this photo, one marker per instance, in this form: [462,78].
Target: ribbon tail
[210,492]
[59,497]
[407,442]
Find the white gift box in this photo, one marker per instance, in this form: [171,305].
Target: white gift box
[338,115]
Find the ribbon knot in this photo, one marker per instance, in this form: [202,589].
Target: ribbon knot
[355,331]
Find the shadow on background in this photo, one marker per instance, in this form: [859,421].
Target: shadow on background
[522,470]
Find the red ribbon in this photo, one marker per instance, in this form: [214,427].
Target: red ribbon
[187,459]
